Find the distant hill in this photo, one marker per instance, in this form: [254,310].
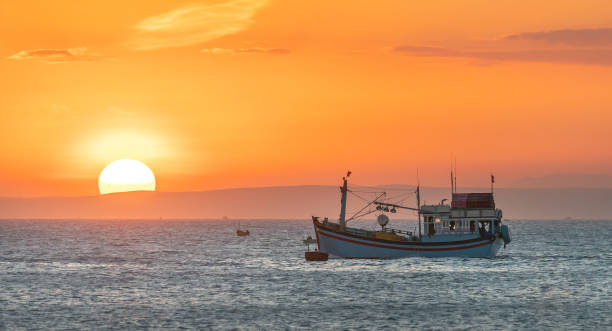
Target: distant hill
[299,202]
[566,180]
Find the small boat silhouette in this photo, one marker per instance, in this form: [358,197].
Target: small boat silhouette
[242,233]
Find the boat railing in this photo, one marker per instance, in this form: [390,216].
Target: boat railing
[445,230]
[334,226]
[397,231]
[362,232]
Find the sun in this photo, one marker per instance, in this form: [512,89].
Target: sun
[126,175]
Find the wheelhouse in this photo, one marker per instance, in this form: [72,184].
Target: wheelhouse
[468,213]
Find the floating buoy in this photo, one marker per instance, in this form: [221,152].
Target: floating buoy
[316,256]
[309,240]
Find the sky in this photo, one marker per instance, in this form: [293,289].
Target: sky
[245,93]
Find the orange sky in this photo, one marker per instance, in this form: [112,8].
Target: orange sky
[235,93]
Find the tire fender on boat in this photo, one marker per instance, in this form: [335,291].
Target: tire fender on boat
[505,230]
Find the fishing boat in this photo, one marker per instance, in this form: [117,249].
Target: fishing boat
[470,226]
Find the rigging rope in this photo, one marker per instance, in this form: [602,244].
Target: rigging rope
[399,199]
[366,206]
[362,198]
[364,214]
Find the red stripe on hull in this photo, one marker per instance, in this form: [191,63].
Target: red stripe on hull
[406,248]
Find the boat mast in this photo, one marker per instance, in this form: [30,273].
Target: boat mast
[344,190]
[452,177]
[418,194]
[455,177]
[452,183]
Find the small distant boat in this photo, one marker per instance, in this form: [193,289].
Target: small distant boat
[309,240]
[242,233]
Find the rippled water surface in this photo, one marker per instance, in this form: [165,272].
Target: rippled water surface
[93,274]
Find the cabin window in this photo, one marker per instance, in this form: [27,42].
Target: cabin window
[472,226]
[452,226]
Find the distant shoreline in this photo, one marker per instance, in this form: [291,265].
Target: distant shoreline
[295,203]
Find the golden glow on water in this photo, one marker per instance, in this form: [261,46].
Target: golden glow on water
[556,269]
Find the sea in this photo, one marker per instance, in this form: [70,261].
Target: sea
[197,274]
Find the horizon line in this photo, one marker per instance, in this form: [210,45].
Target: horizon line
[303,186]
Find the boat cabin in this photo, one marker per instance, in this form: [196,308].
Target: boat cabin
[468,213]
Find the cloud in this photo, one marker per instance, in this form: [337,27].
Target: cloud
[561,46]
[57,55]
[222,51]
[427,51]
[579,37]
[195,24]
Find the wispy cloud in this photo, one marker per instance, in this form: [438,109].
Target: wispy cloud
[246,50]
[427,51]
[579,37]
[195,24]
[588,46]
[57,55]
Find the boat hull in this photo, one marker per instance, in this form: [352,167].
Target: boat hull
[346,245]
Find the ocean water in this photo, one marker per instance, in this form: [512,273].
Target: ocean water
[165,274]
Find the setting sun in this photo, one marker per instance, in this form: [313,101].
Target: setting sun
[126,175]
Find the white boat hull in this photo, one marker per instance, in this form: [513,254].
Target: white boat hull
[352,246]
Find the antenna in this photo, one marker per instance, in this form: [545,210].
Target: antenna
[455,191]
[452,184]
